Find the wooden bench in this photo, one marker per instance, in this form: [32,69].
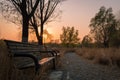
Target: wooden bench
[28,55]
[55,51]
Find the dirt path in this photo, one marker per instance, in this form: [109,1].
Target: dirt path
[77,69]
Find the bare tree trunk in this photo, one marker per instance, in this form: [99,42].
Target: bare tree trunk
[25,29]
[37,34]
[106,44]
[41,35]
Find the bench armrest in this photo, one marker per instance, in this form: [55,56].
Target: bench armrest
[45,51]
[54,52]
[30,56]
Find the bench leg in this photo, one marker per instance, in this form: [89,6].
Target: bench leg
[54,64]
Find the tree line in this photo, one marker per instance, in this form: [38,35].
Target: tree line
[104,31]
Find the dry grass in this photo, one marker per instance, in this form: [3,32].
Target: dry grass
[104,56]
[107,56]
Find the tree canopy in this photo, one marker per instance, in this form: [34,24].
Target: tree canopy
[44,14]
[103,25]
[69,36]
[87,40]
[33,13]
[23,8]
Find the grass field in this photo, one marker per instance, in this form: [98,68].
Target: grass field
[104,56]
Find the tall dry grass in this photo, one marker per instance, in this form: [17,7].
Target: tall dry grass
[105,56]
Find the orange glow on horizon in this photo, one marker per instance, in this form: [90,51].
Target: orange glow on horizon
[77,13]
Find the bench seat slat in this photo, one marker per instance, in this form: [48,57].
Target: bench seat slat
[23,47]
[41,62]
[44,60]
[24,51]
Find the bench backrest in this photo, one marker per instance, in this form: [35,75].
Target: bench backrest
[23,49]
[20,47]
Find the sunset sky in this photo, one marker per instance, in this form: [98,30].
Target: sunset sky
[77,13]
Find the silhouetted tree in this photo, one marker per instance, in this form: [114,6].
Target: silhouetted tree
[69,36]
[47,8]
[103,25]
[24,8]
[49,36]
[35,24]
[44,14]
[46,35]
[86,42]
[115,39]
